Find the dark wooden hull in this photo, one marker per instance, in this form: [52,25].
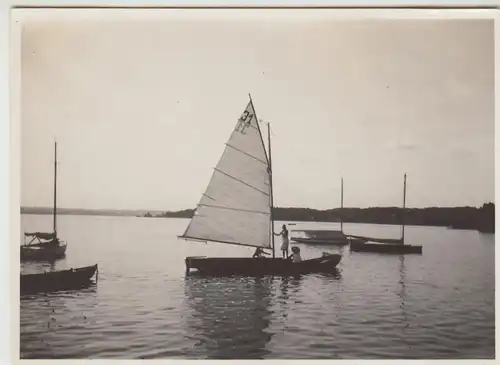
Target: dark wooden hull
[261,266]
[391,241]
[42,253]
[321,241]
[57,280]
[361,246]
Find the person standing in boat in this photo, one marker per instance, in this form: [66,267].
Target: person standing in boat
[284,240]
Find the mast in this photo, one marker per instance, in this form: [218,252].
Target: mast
[268,156]
[271,185]
[341,204]
[260,132]
[55,189]
[404,212]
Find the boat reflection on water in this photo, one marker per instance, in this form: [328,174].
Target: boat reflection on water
[289,291]
[229,317]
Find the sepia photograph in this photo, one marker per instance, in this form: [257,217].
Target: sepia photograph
[254,183]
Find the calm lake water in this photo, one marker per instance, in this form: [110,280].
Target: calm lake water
[438,305]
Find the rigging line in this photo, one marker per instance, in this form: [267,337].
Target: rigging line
[244,183]
[235,209]
[245,153]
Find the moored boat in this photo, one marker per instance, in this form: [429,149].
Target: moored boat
[236,209]
[326,237]
[391,246]
[358,245]
[43,246]
[321,241]
[322,237]
[57,280]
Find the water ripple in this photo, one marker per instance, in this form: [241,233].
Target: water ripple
[439,305]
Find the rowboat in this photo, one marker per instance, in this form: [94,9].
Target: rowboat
[237,209]
[57,280]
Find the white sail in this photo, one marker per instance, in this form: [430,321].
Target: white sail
[236,206]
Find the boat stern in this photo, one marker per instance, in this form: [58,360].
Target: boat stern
[192,263]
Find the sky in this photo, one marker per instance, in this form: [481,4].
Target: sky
[141,110]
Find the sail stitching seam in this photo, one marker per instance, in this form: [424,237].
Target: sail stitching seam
[235,209]
[244,183]
[249,155]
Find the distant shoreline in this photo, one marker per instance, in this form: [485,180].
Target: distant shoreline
[470,218]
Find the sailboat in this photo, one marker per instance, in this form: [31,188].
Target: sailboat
[237,209]
[45,246]
[326,237]
[396,246]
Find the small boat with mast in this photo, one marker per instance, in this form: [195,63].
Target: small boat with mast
[237,209]
[45,246]
[326,237]
[381,245]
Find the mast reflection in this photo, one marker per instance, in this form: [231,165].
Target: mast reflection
[402,294]
[229,317]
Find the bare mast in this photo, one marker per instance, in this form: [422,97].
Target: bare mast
[271,230]
[55,189]
[341,204]
[404,212]
[271,185]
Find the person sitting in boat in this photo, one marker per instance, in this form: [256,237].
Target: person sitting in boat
[285,242]
[295,257]
[259,252]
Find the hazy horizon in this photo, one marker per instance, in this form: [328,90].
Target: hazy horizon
[141,110]
[177,210]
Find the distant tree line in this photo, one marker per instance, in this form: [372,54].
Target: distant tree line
[481,219]
[186,213]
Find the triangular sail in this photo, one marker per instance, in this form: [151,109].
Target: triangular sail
[236,206]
